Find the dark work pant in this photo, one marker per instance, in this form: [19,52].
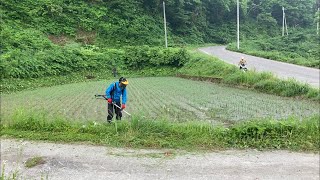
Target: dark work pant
[111,109]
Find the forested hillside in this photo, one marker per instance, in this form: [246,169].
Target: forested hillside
[54,37]
[137,22]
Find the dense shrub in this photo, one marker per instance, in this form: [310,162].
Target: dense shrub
[141,57]
[62,61]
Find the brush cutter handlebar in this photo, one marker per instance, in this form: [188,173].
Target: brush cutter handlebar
[99,96]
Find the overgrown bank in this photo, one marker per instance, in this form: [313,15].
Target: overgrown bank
[64,61]
[74,64]
[202,65]
[292,133]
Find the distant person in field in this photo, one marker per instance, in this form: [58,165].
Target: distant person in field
[114,93]
[242,63]
[114,72]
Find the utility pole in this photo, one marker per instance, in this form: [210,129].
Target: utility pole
[282,21]
[285,23]
[238,26]
[318,19]
[165,22]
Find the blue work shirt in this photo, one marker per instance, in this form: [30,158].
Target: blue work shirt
[118,91]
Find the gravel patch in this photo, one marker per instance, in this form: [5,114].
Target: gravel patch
[83,161]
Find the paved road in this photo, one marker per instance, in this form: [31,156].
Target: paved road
[282,70]
[75,161]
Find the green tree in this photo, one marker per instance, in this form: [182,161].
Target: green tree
[267,22]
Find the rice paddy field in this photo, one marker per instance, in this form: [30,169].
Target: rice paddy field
[171,98]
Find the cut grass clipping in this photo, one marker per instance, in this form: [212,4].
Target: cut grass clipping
[34,161]
[291,133]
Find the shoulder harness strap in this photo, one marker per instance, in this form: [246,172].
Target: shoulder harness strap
[114,88]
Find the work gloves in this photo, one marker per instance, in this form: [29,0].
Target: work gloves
[123,106]
[110,100]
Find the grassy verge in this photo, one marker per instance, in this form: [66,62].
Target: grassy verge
[292,133]
[202,65]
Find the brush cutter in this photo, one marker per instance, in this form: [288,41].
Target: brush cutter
[99,96]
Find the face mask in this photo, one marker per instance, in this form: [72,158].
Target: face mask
[122,86]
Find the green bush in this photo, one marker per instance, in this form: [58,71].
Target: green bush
[70,58]
[140,57]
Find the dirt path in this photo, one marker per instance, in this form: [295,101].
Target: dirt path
[74,161]
[282,70]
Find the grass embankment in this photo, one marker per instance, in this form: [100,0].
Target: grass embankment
[202,65]
[291,134]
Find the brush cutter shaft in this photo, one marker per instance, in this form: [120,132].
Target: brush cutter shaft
[104,97]
[121,108]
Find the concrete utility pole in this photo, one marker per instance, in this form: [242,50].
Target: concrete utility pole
[285,23]
[318,21]
[165,22]
[238,26]
[282,21]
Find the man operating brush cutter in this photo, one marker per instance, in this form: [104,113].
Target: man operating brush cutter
[114,93]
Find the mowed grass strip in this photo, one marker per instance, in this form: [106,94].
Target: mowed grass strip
[172,98]
[291,133]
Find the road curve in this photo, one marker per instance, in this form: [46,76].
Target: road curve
[280,69]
